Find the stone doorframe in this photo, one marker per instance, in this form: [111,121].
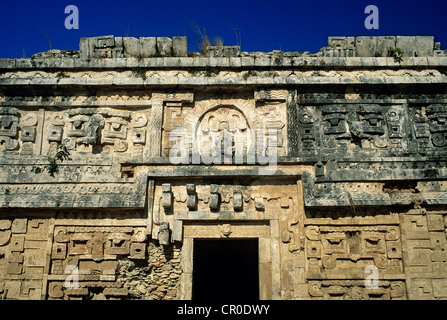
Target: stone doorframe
[268,251]
[183,225]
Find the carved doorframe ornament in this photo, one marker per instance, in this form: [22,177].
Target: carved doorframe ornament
[261,229]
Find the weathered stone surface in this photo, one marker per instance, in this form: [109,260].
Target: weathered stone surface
[180,46]
[131,47]
[164,46]
[115,159]
[415,46]
[374,46]
[148,47]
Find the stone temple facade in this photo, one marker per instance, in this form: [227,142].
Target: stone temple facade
[347,198]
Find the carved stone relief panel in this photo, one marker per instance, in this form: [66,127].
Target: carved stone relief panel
[335,127]
[342,251]
[19,130]
[388,129]
[356,290]
[176,201]
[240,122]
[363,127]
[167,108]
[425,256]
[271,108]
[23,246]
[430,127]
[85,259]
[29,131]
[218,132]
[334,250]
[97,130]
[9,121]
[173,120]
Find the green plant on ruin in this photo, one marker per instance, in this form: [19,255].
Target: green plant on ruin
[45,33]
[203,41]
[237,33]
[211,71]
[140,73]
[61,75]
[249,73]
[125,31]
[53,162]
[193,71]
[218,42]
[395,53]
[377,54]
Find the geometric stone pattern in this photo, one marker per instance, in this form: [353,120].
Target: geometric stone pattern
[424,253]
[338,251]
[23,248]
[93,252]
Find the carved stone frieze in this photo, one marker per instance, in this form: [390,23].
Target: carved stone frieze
[371,129]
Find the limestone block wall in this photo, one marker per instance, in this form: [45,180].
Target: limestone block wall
[78,255]
[359,180]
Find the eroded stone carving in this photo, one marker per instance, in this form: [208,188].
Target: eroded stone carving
[364,128]
[355,290]
[9,119]
[331,248]
[437,115]
[96,127]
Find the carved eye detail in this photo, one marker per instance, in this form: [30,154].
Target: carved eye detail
[439,139]
[373,121]
[6,122]
[334,122]
[116,126]
[77,124]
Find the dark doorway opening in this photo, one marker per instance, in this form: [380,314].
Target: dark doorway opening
[225,269]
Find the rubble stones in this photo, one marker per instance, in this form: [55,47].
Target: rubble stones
[154,279]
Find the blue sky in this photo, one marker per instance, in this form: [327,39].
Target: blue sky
[288,25]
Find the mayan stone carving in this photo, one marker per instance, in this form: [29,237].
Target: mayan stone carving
[167,149]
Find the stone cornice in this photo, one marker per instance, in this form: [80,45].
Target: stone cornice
[222,62]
